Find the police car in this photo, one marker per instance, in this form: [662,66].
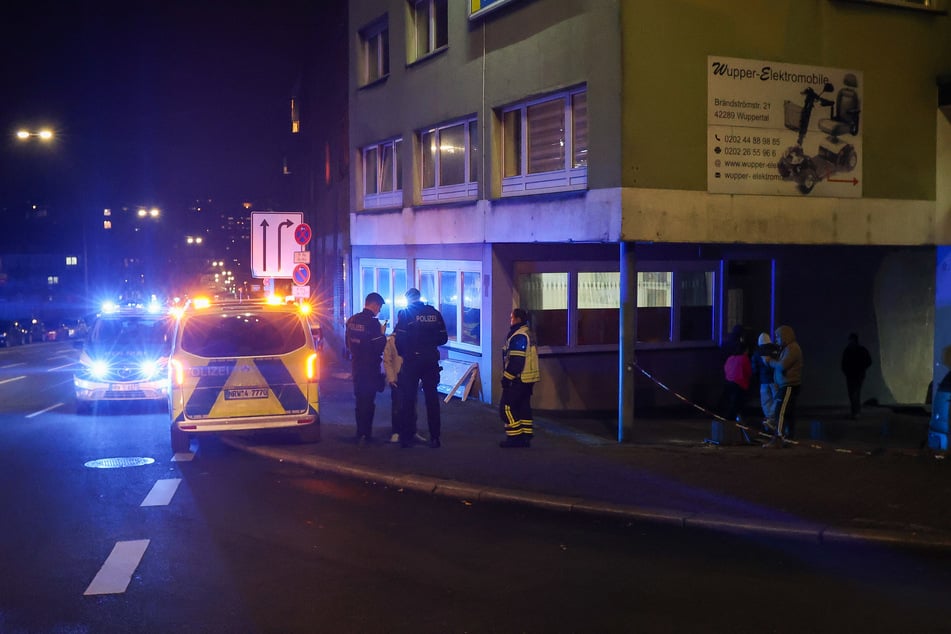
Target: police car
[243,366]
[124,358]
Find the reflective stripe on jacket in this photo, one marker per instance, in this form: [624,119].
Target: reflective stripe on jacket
[520,356]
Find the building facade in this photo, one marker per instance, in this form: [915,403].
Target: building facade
[644,176]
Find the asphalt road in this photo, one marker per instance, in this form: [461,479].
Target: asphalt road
[229,542]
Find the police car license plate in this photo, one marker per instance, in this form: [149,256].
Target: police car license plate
[124,387]
[235,394]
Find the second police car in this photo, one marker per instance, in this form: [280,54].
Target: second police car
[124,357]
[243,366]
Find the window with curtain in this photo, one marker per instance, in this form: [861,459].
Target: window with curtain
[382,176]
[374,48]
[450,156]
[429,27]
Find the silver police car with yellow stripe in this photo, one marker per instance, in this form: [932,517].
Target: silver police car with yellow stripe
[240,366]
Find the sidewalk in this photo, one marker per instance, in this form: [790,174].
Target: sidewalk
[867,480]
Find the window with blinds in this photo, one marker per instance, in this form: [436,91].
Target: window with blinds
[545,144]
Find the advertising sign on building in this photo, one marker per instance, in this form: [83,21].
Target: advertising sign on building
[783,129]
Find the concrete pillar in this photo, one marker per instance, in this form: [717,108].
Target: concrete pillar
[627,337]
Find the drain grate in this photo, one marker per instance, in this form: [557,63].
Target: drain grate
[118,463]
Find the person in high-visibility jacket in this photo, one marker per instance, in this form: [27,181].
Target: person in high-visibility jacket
[519,376]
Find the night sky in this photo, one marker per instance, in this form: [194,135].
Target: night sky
[153,102]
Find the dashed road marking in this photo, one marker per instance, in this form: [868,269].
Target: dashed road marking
[43,411]
[162,492]
[116,573]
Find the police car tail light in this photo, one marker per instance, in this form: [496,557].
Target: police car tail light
[178,371]
[99,369]
[312,371]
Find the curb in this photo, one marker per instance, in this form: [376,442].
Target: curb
[918,537]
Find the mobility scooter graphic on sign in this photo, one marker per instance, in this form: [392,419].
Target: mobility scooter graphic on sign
[838,156]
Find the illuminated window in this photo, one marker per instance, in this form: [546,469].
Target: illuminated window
[454,287]
[295,116]
[545,144]
[430,27]
[382,175]
[388,278]
[576,306]
[107,224]
[677,304]
[72,260]
[52,280]
[375,51]
[450,156]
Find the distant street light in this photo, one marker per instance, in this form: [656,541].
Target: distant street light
[43,134]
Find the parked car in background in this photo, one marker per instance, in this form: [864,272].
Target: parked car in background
[10,334]
[74,328]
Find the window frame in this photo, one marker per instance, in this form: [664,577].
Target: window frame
[459,268]
[393,295]
[572,269]
[469,188]
[433,29]
[375,52]
[382,198]
[568,178]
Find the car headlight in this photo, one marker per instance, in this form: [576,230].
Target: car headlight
[152,369]
[99,369]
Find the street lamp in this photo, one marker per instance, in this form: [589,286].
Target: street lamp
[43,134]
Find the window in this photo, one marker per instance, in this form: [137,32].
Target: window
[375,52]
[677,304]
[455,288]
[388,278]
[430,28]
[573,305]
[72,260]
[52,280]
[545,144]
[382,175]
[576,306]
[450,154]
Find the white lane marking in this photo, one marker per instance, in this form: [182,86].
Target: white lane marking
[185,456]
[60,367]
[43,411]
[116,573]
[12,365]
[162,492]
[16,378]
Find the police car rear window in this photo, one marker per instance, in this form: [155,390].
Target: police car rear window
[242,335]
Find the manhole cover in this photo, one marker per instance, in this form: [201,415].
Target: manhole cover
[118,463]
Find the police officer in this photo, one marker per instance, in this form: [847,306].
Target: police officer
[420,330]
[365,343]
[519,375]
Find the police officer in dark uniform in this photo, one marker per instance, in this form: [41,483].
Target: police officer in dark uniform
[365,343]
[420,330]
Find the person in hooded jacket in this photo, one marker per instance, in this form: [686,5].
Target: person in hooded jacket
[768,390]
[787,373]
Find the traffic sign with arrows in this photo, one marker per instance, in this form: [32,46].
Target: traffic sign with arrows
[274,243]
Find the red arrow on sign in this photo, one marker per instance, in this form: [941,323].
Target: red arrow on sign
[852,180]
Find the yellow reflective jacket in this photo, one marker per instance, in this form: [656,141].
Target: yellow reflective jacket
[520,355]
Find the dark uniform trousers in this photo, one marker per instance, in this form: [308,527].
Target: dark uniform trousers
[366,384]
[417,370]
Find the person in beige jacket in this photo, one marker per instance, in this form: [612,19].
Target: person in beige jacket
[392,364]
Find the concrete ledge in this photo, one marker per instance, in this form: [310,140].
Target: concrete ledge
[744,526]
[637,513]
